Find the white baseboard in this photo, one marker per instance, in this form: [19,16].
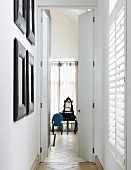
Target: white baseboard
[98,164]
[35,164]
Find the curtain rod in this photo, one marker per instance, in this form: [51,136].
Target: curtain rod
[64,61]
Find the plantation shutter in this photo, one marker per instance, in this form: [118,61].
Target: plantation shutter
[117,84]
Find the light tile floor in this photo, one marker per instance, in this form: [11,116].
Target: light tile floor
[64,155]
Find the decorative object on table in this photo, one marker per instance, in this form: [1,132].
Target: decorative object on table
[30,82]
[19,80]
[20,14]
[30,21]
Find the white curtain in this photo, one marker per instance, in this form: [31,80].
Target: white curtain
[55,91]
[63,84]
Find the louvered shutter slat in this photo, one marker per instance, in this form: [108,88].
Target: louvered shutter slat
[112,110]
[120,128]
[112,54]
[112,67]
[120,120]
[120,150]
[117,84]
[120,91]
[119,71]
[120,113]
[120,143]
[120,41]
[112,42]
[112,123]
[112,116]
[120,135]
[112,134]
[120,34]
[112,141]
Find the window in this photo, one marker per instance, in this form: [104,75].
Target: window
[117,84]
[63,84]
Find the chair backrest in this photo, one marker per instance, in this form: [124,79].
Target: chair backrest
[57,119]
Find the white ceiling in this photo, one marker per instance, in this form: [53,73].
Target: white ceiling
[73,13]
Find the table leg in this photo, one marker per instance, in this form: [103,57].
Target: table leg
[67,126]
[76,124]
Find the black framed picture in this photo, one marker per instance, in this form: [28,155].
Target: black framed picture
[19,80]
[20,14]
[30,21]
[30,82]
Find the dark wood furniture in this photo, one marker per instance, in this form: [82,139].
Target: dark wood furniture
[68,114]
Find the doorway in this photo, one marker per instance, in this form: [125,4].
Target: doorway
[47,112]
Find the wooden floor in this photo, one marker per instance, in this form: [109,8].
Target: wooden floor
[64,155]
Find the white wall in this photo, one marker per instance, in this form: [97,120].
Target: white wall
[99,114]
[18,140]
[64,36]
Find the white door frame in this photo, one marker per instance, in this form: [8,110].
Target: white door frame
[86,106]
[39,59]
[43,86]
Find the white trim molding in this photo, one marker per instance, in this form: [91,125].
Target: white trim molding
[98,164]
[68,3]
[35,164]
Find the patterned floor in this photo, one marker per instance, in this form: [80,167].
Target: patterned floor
[64,155]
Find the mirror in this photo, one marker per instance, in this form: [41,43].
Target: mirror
[30,82]
[19,81]
[31,17]
[20,11]
[21,7]
[30,21]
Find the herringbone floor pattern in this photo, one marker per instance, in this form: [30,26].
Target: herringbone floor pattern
[64,155]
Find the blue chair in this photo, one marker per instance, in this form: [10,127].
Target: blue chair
[57,121]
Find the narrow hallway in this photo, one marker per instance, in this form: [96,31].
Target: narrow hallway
[63,155]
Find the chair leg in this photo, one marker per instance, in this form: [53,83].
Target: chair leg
[61,130]
[54,139]
[53,130]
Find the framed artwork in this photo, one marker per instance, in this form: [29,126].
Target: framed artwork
[30,21]
[20,14]
[30,82]
[19,80]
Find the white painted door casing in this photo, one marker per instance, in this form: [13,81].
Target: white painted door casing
[85,86]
